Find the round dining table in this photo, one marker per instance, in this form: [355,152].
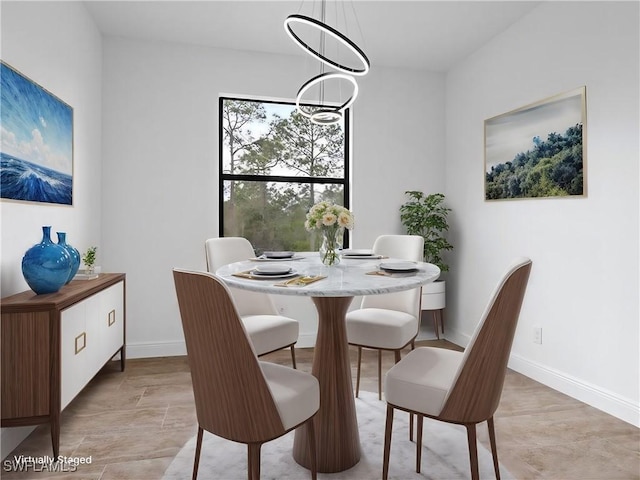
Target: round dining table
[332,290]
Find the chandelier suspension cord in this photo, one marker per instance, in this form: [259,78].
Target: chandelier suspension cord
[353,9]
[322,49]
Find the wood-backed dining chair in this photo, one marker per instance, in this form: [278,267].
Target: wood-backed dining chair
[238,397]
[390,321]
[456,387]
[269,331]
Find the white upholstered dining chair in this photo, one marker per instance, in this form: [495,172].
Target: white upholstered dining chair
[389,321]
[236,396]
[267,330]
[456,387]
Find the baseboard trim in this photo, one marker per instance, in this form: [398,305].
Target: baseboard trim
[151,350]
[306,340]
[174,349]
[609,402]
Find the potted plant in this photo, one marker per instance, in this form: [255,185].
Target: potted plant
[425,215]
[89,259]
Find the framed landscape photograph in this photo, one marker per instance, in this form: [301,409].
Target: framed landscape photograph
[539,150]
[36,149]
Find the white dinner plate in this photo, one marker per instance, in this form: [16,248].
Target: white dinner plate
[278,254]
[399,266]
[357,253]
[272,269]
[262,258]
[268,276]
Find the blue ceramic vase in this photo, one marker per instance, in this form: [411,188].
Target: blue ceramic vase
[73,253]
[46,266]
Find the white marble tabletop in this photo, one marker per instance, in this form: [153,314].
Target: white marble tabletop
[349,278]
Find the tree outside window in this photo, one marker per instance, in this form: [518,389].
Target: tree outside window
[275,164]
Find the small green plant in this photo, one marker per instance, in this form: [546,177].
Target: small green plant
[425,215]
[89,257]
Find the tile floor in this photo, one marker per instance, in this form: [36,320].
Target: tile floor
[134,423]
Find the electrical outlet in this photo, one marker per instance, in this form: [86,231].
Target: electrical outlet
[537,335]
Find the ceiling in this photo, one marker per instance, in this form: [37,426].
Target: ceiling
[426,35]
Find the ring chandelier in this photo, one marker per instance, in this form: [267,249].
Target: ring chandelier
[342,39]
[326,114]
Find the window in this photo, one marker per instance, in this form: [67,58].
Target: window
[274,165]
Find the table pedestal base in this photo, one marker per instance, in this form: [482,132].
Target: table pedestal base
[335,424]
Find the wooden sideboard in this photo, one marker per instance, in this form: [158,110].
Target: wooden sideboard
[54,344]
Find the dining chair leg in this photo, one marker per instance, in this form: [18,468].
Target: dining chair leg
[293,357]
[196,461]
[413,347]
[411,427]
[473,450]
[358,371]
[494,447]
[254,461]
[420,419]
[379,374]
[387,442]
[311,436]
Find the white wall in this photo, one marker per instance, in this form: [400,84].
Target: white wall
[398,146]
[57,46]
[583,290]
[161,154]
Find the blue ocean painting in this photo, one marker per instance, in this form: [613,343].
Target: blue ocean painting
[36,149]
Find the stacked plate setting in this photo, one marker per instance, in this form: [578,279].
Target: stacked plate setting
[278,255]
[399,266]
[354,253]
[273,270]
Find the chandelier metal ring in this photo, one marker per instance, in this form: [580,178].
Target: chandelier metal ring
[322,113]
[303,19]
[324,116]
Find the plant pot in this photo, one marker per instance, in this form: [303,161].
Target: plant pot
[434,295]
[434,300]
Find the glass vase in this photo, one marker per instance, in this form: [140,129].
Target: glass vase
[46,266]
[331,246]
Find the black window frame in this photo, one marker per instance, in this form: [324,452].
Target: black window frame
[222,177]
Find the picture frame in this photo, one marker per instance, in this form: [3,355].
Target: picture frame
[539,150]
[36,149]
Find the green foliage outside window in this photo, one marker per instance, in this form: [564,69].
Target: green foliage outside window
[275,165]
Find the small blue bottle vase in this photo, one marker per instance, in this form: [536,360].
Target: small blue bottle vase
[46,266]
[73,253]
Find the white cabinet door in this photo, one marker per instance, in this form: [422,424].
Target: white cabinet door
[91,333]
[74,366]
[94,333]
[111,321]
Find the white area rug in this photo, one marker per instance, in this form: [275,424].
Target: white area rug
[444,456]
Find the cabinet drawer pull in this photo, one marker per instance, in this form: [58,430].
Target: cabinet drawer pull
[112,317]
[82,336]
